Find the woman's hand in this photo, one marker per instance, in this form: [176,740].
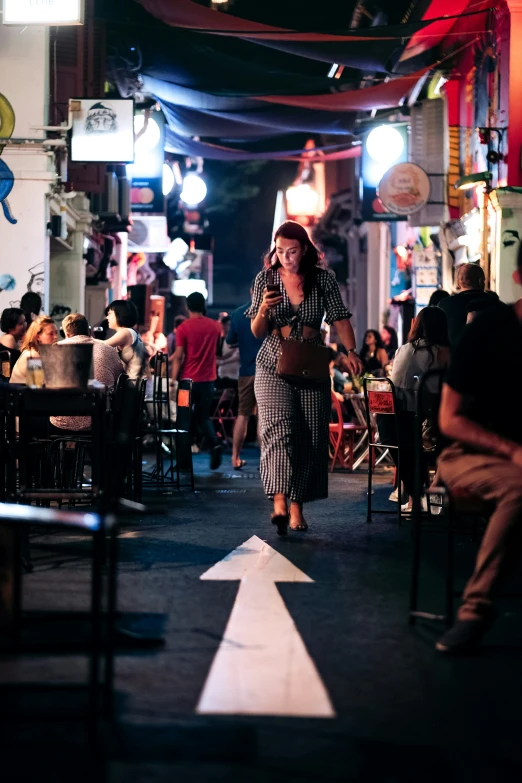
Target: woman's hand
[271,299]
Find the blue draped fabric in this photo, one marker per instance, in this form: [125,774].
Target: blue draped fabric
[246,120]
[183,145]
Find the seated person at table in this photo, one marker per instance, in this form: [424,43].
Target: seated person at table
[14,326]
[41,331]
[426,349]
[31,304]
[486,458]
[122,316]
[373,354]
[390,341]
[106,365]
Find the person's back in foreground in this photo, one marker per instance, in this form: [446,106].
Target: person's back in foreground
[485,460]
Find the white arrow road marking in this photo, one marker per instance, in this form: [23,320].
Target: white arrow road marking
[262,666]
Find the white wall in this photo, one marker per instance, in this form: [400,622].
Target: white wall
[24,82]
[504,247]
[25,246]
[378,273]
[24,76]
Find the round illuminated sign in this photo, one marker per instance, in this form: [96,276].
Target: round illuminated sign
[404,189]
[385,144]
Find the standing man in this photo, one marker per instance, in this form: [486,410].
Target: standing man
[471,283]
[195,358]
[240,333]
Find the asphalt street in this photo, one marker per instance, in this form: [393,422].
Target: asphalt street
[401,712]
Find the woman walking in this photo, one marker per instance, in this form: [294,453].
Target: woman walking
[294,416]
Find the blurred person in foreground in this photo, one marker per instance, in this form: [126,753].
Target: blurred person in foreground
[240,334]
[195,358]
[470,286]
[486,458]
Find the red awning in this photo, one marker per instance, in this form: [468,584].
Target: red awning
[187,14]
[387,95]
[433,34]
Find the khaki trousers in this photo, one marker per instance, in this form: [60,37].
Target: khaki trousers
[499,482]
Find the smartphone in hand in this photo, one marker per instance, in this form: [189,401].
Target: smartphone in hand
[272,288]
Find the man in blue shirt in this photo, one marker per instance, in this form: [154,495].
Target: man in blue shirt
[241,334]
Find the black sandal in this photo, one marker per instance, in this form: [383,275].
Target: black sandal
[281,522]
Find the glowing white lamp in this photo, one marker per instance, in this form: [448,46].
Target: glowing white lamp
[385,145]
[168,179]
[194,190]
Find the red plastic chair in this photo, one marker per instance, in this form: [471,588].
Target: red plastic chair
[342,438]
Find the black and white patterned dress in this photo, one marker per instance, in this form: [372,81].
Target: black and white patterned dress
[294,417]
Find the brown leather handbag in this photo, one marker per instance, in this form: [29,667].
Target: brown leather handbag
[299,361]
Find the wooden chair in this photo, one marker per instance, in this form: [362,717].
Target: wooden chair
[342,438]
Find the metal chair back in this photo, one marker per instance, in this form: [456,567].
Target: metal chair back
[380,399]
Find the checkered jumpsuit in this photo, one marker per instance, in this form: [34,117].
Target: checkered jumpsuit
[294,417]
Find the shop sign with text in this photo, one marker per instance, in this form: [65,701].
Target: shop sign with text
[45,12]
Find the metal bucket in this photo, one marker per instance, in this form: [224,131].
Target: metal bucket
[66,366]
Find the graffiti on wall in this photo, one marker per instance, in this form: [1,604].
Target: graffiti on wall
[7,123]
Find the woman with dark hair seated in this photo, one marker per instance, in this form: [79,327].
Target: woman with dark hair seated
[291,297]
[390,341]
[14,326]
[427,349]
[122,316]
[373,354]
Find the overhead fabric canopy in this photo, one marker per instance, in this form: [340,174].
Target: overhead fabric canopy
[196,114]
[432,34]
[243,124]
[187,14]
[182,145]
[222,66]
[381,96]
